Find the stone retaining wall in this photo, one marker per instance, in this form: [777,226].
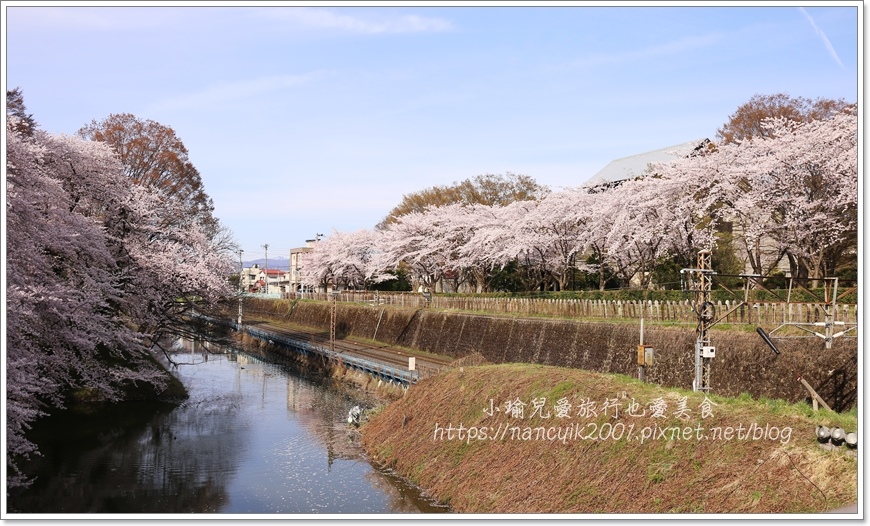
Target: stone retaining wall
[743,363]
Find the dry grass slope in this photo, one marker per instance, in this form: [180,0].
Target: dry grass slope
[663,472]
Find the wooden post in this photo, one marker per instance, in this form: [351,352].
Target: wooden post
[641,361]
[814,395]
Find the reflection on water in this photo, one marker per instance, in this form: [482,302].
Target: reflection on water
[253,437]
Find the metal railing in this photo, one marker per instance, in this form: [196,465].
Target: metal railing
[376,369]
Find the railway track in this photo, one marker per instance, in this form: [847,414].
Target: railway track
[426,364]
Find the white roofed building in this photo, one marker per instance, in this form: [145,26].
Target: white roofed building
[637,165]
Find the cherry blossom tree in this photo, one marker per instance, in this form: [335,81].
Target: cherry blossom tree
[63,283]
[435,245]
[452,227]
[594,227]
[412,241]
[484,228]
[500,240]
[96,276]
[558,231]
[807,176]
[715,193]
[789,192]
[344,260]
[171,271]
[634,237]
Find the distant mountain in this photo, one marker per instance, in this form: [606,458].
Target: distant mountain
[278,262]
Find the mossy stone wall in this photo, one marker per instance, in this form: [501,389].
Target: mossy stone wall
[743,362]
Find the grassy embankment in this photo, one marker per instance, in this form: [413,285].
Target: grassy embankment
[753,456]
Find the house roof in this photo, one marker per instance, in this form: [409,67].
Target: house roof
[636,165]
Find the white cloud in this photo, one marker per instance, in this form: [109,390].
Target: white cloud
[223,92]
[117,17]
[825,41]
[95,17]
[331,19]
[681,45]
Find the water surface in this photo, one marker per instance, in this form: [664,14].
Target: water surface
[253,438]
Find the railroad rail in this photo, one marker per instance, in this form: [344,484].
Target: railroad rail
[380,362]
[347,356]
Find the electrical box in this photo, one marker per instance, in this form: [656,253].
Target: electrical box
[645,355]
[708,352]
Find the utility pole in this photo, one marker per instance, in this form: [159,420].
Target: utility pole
[266,246]
[332,319]
[705,318]
[830,308]
[241,276]
[701,283]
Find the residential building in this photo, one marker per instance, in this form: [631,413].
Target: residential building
[297,263]
[277,279]
[253,279]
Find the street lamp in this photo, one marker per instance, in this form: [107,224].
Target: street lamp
[299,281]
[266,246]
[241,276]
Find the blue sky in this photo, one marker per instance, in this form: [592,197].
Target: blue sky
[302,120]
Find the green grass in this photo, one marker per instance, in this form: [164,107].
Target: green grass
[610,475]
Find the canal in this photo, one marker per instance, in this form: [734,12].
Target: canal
[255,437]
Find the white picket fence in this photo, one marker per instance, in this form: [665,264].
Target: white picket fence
[677,311]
